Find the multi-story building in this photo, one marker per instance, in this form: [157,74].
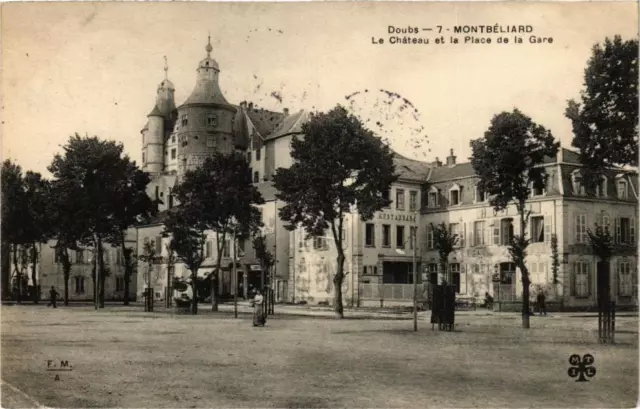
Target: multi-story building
[380,260]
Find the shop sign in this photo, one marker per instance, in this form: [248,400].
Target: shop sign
[255,267]
[397,217]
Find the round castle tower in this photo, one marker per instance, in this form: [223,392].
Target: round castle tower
[205,120]
[159,125]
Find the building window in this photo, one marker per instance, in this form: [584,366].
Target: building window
[431,244]
[173,153]
[478,233]
[432,271]
[625,230]
[173,139]
[320,243]
[432,198]
[119,283]
[480,195]
[413,236]
[226,252]
[387,195]
[386,235]
[185,120]
[170,198]
[625,282]
[258,154]
[601,189]
[57,256]
[158,243]
[537,229]
[208,250]
[413,200]
[581,280]
[576,181]
[400,199]
[581,228]
[621,186]
[456,230]
[211,141]
[249,156]
[79,256]
[212,120]
[241,247]
[455,275]
[400,237]
[79,284]
[506,231]
[370,235]
[604,221]
[256,177]
[454,195]
[537,190]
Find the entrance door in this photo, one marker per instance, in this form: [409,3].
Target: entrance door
[508,281]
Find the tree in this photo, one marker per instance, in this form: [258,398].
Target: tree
[339,166]
[444,240]
[263,255]
[218,196]
[507,163]
[555,262]
[103,183]
[605,122]
[601,244]
[12,204]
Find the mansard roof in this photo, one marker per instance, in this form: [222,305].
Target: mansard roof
[410,169]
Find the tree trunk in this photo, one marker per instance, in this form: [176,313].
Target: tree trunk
[34,268]
[524,272]
[18,273]
[5,258]
[66,272]
[126,255]
[216,276]
[94,278]
[101,275]
[338,279]
[194,297]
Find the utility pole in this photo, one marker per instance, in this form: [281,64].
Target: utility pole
[415,282]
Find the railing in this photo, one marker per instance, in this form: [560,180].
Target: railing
[391,292]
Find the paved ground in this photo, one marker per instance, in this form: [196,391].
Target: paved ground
[121,357]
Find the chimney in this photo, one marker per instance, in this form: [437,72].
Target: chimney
[437,163]
[250,106]
[286,112]
[243,104]
[451,159]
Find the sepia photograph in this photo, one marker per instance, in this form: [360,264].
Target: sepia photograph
[319,204]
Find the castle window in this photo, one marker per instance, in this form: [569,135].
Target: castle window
[432,198]
[211,142]
[576,181]
[454,195]
[212,120]
[185,120]
[79,284]
[621,187]
[173,153]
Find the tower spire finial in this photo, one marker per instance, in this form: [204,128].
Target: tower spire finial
[209,48]
[166,68]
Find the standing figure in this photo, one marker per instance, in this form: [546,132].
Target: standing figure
[258,309]
[53,296]
[541,307]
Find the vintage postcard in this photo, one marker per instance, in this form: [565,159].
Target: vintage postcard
[319,204]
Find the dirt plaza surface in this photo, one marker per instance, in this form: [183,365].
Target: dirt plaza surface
[122,357]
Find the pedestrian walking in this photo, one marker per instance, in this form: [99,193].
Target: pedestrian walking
[53,296]
[541,306]
[258,309]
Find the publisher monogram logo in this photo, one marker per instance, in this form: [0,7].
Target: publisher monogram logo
[582,368]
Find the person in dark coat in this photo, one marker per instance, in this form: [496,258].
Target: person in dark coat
[53,296]
[541,307]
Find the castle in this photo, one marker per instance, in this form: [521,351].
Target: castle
[379,252]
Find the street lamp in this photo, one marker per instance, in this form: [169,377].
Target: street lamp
[415,276]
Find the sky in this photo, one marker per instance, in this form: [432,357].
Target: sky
[93,68]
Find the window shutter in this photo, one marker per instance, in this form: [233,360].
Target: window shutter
[463,234]
[576,228]
[589,281]
[572,280]
[618,275]
[470,235]
[618,236]
[158,245]
[487,235]
[547,229]
[496,235]
[632,230]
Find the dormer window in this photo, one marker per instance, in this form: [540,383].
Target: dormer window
[601,189]
[481,195]
[184,120]
[212,120]
[576,181]
[537,190]
[621,187]
[454,195]
[173,139]
[432,197]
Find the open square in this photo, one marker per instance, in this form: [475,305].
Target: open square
[121,357]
